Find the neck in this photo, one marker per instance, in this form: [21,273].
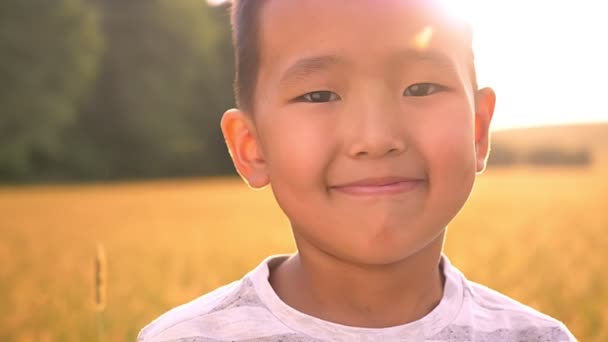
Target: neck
[370,296]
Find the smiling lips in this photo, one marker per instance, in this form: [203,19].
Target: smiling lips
[379,186]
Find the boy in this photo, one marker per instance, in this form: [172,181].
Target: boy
[365,119]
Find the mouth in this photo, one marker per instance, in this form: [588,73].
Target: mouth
[379,186]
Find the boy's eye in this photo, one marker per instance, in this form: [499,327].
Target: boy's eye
[422,89]
[319,96]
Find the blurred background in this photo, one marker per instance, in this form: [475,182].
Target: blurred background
[118,199]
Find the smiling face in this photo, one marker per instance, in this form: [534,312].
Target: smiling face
[364,124]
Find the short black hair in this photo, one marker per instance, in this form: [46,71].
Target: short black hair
[245,18]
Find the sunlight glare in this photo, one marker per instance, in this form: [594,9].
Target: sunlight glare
[423,38]
[545,59]
[462,10]
[216,2]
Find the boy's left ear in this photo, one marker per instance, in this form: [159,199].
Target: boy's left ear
[485,102]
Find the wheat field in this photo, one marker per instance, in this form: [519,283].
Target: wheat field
[536,235]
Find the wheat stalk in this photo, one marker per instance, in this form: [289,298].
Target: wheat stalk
[100,278]
[100,287]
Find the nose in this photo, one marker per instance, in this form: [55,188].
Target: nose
[377,130]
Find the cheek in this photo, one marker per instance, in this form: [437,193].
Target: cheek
[297,149]
[448,147]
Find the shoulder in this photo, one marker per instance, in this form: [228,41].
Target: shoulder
[484,314]
[497,313]
[231,312]
[191,311]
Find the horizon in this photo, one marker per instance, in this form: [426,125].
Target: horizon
[578,123]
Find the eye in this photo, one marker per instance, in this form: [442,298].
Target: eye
[422,89]
[319,97]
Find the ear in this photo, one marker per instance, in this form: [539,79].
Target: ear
[241,138]
[485,102]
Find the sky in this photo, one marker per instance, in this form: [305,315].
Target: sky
[546,60]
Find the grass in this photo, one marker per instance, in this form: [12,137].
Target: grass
[536,235]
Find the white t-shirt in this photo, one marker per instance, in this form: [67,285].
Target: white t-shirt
[250,310]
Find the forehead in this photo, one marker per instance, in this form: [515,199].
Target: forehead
[363,33]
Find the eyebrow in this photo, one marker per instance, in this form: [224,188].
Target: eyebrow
[439,59]
[306,66]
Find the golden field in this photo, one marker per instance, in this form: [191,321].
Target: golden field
[538,235]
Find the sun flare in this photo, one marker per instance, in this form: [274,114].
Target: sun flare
[546,60]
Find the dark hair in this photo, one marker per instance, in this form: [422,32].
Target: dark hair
[245,21]
[245,18]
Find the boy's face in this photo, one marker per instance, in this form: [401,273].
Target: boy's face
[375,93]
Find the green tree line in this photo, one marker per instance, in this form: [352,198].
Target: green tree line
[113,89]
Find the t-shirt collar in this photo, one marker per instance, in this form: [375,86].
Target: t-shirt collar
[440,317]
